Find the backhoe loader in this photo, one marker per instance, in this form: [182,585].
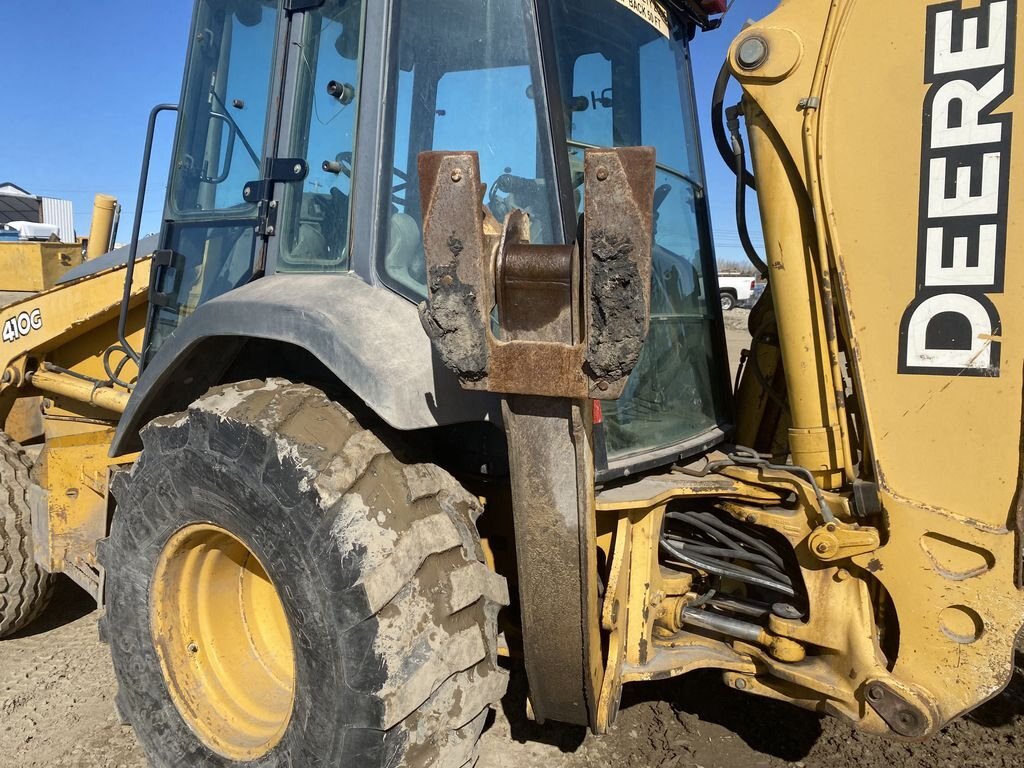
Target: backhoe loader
[428,368]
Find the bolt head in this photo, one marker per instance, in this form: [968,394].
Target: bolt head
[741,684]
[297,168]
[752,52]
[247,191]
[457,175]
[270,230]
[909,721]
[602,174]
[603,386]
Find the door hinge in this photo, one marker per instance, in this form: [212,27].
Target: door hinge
[280,170]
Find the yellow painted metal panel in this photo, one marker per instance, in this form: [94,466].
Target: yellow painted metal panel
[36,266]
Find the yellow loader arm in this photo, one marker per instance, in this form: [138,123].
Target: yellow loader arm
[35,326]
[881,137]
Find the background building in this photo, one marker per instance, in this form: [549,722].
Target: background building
[17,204]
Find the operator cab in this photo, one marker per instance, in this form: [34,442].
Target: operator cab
[296,151]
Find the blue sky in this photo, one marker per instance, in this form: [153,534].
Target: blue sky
[709,50]
[81,78]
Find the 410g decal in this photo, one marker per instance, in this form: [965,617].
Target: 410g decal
[21,325]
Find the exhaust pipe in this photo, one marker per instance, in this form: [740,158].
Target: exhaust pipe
[105,212]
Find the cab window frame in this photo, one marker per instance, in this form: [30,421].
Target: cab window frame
[287,122]
[186,121]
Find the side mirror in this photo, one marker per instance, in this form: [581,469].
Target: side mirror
[571,320]
[347,43]
[248,14]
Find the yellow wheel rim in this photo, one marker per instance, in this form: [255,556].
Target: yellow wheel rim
[223,641]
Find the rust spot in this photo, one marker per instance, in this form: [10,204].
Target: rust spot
[874,565]
[452,320]
[617,296]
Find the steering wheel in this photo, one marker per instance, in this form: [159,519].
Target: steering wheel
[344,165]
[525,191]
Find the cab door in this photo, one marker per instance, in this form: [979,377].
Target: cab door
[212,239]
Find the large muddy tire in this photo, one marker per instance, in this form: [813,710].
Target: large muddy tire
[375,641]
[25,589]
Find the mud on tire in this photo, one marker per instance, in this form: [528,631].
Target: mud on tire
[25,589]
[393,614]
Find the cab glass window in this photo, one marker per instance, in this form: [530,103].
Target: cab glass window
[626,81]
[466,78]
[314,225]
[208,241]
[224,109]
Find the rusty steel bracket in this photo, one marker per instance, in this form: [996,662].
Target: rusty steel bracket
[907,718]
[602,284]
[838,541]
[549,327]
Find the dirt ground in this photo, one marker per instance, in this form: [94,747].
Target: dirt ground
[57,711]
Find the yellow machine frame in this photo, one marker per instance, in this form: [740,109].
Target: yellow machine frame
[54,391]
[912,618]
[935,451]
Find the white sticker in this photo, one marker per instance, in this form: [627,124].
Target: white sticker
[650,11]
[21,325]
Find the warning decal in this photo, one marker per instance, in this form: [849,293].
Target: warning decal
[650,11]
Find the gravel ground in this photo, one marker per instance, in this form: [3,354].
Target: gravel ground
[57,711]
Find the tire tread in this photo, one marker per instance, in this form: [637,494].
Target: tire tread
[431,605]
[25,589]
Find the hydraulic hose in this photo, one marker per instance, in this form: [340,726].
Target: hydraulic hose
[719,568]
[718,128]
[755,363]
[740,157]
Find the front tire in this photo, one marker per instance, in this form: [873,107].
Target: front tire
[25,588]
[388,656]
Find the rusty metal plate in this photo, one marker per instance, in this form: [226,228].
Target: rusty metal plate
[458,272]
[617,262]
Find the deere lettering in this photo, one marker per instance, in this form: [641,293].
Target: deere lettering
[952,327]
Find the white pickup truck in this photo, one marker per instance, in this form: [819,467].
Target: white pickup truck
[737,290]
